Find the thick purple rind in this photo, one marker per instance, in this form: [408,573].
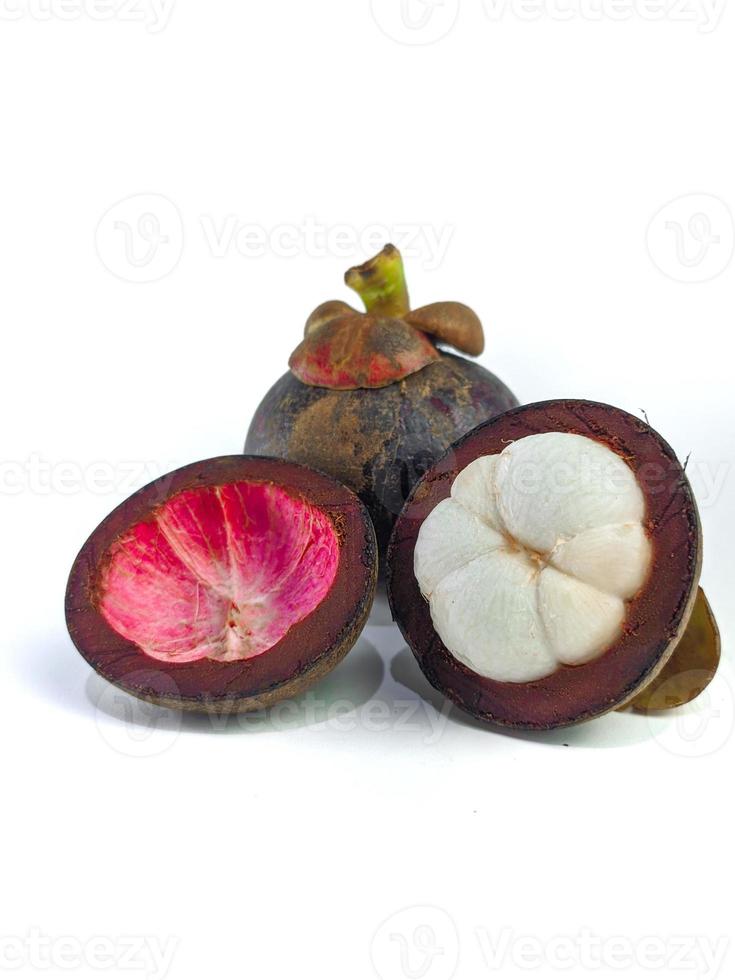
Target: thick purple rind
[657,615]
[308,651]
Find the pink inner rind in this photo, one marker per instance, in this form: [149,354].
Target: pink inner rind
[220,573]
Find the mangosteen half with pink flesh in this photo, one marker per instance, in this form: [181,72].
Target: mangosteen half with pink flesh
[371,398]
[226,586]
[545,570]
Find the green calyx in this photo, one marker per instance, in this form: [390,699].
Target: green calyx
[381,284]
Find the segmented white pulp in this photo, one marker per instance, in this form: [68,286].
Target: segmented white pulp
[530,561]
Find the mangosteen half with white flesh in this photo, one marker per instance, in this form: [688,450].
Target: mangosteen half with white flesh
[545,570]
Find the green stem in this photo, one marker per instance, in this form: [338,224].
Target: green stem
[381,283]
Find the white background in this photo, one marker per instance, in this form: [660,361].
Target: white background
[567,169]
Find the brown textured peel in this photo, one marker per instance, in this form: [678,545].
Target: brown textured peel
[378,441]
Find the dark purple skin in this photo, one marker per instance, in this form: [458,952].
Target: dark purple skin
[378,441]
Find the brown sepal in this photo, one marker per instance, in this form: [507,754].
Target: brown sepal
[451,323]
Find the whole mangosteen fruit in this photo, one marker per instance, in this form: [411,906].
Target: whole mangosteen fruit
[224,586]
[371,398]
[546,569]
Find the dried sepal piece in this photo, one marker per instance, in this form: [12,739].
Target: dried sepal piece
[326,312]
[356,351]
[691,667]
[343,349]
[451,323]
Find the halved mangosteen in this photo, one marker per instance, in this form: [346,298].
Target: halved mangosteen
[226,585]
[544,571]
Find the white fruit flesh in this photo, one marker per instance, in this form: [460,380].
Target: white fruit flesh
[530,562]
